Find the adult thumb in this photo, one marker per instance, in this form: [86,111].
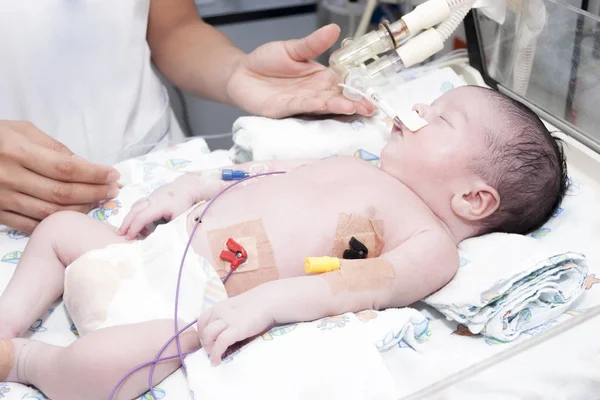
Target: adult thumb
[314,44]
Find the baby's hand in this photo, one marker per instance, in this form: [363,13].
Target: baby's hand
[232,321]
[168,202]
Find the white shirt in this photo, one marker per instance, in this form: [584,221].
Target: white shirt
[80,71]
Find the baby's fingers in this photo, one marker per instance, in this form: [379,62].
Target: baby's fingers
[226,338]
[204,320]
[210,334]
[137,207]
[144,218]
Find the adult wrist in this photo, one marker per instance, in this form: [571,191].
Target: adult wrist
[236,62]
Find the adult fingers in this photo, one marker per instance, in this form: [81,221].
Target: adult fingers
[63,167]
[314,44]
[38,137]
[341,105]
[16,221]
[63,193]
[35,208]
[363,107]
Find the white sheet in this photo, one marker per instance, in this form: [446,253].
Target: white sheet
[313,360]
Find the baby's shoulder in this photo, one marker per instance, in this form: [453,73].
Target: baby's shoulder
[433,237]
[437,239]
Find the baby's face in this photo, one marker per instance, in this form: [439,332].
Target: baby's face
[441,151]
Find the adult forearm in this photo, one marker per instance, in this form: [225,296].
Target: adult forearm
[196,58]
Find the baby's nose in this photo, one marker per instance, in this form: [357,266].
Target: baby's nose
[423,110]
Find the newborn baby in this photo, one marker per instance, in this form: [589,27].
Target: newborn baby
[484,163]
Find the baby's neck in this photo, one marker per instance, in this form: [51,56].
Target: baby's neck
[456,227]
[437,199]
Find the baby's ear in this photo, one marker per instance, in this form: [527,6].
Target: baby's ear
[478,202]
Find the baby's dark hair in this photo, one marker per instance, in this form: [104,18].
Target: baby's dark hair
[526,166]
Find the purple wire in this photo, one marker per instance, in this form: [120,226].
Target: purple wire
[136,369]
[177,332]
[153,362]
[227,276]
[160,352]
[189,243]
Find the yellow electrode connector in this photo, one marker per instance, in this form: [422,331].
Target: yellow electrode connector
[320,265]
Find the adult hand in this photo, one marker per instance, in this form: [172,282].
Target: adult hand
[40,176]
[279,79]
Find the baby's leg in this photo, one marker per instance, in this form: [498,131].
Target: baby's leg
[39,278]
[91,366]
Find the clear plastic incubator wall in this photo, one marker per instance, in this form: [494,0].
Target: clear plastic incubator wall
[547,55]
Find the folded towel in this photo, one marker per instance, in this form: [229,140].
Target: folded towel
[507,284]
[259,138]
[333,358]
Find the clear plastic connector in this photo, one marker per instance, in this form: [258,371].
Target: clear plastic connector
[355,52]
[377,73]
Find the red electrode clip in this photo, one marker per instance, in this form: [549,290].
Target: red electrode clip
[236,254]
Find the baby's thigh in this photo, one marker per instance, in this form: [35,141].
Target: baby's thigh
[74,234]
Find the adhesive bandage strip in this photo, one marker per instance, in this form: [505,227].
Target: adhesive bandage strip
[412,120]
[371,274]
[260,265]
[366,230]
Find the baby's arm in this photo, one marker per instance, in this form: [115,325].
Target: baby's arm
[173,199]
[418,267]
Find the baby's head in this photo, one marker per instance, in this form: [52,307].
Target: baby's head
[483,158]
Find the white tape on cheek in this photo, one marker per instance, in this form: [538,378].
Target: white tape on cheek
[412,120]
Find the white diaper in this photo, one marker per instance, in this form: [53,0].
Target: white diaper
[136,282]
